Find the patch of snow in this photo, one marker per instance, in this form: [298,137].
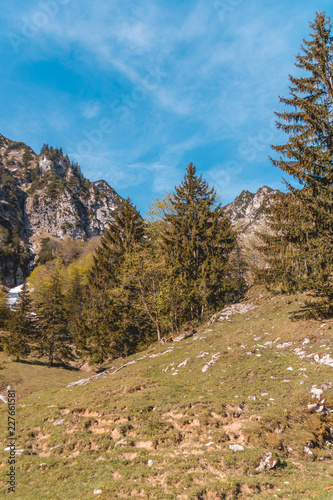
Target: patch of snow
[13,295]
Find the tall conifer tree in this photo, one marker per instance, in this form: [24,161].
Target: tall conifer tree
[299,251]
[21,329]
[197,243]
[108,325]
[52,315]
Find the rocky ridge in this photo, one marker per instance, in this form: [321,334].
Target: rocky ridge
[45,195]
[247,211]
[247,214]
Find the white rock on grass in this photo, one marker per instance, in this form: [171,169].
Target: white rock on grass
[150,463]
[212,362]
[59,422]
[231,310]
[285,344]
[236,447]
[290,369]
[268,462]
[316,392]
[324,360]
[183,363]
[97,491]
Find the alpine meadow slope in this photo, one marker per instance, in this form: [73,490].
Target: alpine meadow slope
[242,409]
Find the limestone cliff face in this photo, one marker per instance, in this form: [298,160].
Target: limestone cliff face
[45,195]
[247,215]
[247,211]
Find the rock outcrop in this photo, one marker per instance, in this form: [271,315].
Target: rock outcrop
[247,214]
[45,195]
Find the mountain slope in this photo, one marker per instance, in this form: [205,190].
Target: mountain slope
[45,195]
[244,409]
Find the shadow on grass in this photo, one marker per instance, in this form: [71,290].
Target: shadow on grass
[317,310]
[37,362]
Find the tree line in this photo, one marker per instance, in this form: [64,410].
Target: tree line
[147,280]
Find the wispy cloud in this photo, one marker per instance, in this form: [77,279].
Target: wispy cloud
[176,80]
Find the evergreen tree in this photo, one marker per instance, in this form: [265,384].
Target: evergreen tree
[197,243]
[74,302]
[126,229]
[108,325]
[54,341]
[20,326]
[4,308]
[302,219]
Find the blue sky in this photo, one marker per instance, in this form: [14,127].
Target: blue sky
[135,90]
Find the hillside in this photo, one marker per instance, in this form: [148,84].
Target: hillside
[45,195]
[243,409]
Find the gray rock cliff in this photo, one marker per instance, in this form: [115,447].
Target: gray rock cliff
[45,195]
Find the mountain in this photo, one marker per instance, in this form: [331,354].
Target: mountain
[247,215]
[247,211]
[45,195]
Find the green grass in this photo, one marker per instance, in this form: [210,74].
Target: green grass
[114,425]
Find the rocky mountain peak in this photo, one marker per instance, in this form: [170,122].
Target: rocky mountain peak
[248,208]
[45,195]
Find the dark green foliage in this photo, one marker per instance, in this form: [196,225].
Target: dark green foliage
[4,309]
[14,254]
[20,327]
[197,242]
[48,251]
[299,254]
[54,340]
[74,303]
[118,239]
[109,324]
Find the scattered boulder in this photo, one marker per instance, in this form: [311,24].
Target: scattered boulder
[212,362]
[268,462]
[236,447]
[183,336]
[231,310]
[59,422]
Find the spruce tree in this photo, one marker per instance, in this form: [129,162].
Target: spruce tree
[4,308]
[54,341]
[197,244]
[299,247]
[126,229]
[108,325]
[20,326]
